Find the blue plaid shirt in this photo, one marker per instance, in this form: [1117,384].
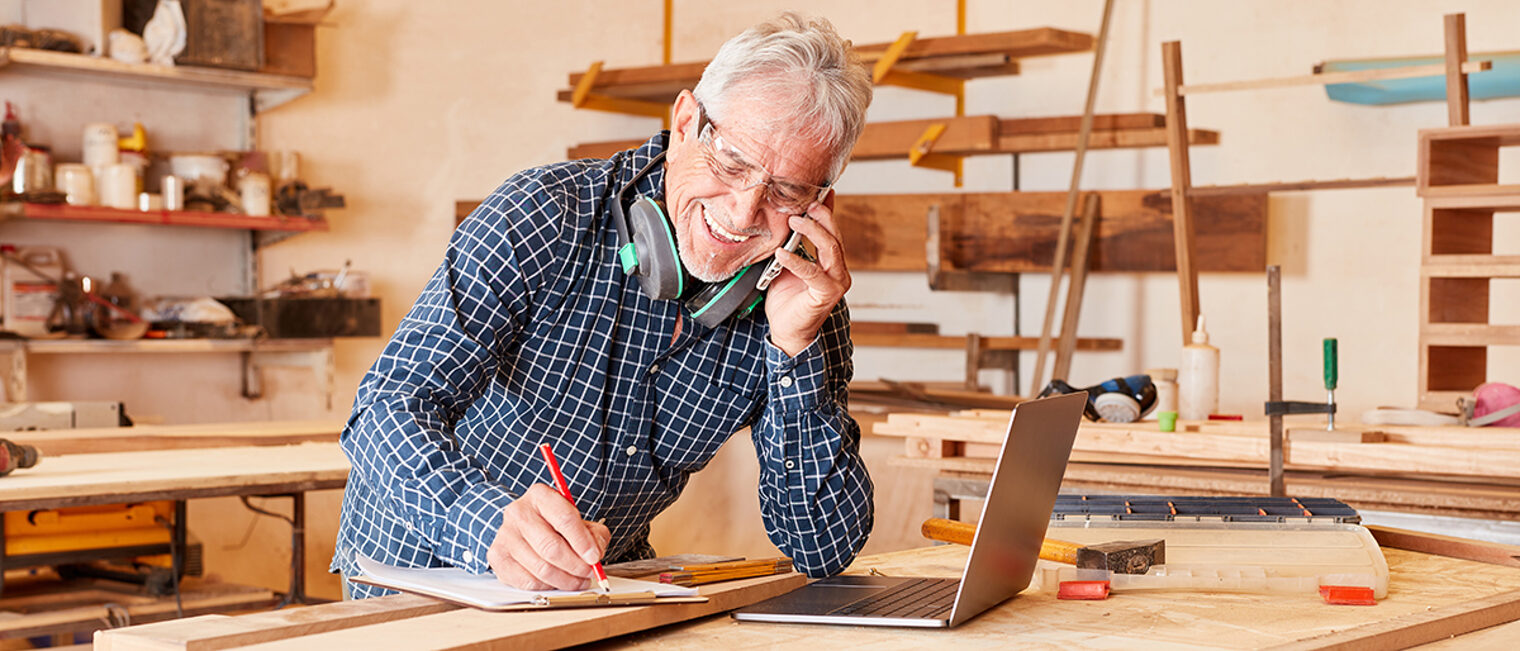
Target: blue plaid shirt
[529,333]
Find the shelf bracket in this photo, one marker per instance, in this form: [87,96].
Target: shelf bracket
[922,153]
[884,74]
[320,361]
[583,98]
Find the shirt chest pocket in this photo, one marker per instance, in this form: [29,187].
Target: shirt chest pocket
[696,413]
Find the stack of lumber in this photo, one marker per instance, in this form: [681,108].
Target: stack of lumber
[1016,232]
[1439,469]
[1459,451]
[979,135]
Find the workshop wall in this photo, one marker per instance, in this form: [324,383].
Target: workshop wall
[418,105]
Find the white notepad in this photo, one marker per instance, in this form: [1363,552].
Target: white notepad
[485,592]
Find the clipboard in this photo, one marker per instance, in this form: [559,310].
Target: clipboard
[485,593]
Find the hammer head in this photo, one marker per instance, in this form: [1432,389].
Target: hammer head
[1123,557]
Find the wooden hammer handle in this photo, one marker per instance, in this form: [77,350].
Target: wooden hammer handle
[960,532]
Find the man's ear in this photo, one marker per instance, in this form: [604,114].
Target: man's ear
[683,119]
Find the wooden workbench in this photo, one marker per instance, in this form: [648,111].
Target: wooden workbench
[161,469]
[1423,589]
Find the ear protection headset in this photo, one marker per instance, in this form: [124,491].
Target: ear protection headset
[647,250]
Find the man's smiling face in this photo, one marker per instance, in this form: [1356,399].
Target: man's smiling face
[721,226]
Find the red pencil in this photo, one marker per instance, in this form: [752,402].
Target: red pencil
[564,489]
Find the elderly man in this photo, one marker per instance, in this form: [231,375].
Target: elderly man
[607,308]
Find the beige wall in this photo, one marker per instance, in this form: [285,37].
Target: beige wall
[421,104]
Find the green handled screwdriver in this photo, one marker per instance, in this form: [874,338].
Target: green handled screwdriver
[1331,376]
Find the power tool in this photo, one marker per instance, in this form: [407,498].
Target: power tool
[1119,400]
[14,456]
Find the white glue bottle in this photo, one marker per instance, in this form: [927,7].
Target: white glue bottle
[1198,379]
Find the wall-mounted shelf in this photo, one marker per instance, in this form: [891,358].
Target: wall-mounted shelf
[974,135]
[63,212]
[965,56]
[315,354]
[267,90]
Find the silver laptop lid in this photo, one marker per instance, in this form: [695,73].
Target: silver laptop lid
[1020,496]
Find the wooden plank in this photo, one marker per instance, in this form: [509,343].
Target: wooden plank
[1071,315]
[1469,334]
[1274,380]
[1040,41]
[1433,543]
[969,66]
[542,629]
[50,606]
[1182,179]
[1015,232]
[1114,139]
[951,342]
[1014,44]
[1073,123]
[1419,628]
[165,437]
[1456,79]
[112,478]
[211,632]
[1471,266]
[1324,78]
[1299,186]
[1058,266]
[1143,439]
[964,136]
[893,328]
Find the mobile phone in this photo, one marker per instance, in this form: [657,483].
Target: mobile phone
[774,269]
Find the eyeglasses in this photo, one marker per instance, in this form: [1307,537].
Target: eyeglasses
[734,169]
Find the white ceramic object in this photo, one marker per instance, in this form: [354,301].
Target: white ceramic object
[76,182]
[118,186]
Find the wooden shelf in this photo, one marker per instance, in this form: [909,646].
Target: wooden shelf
[171,346]
[966,56]
[1471,266]
[1470,334]
[982,135]
[268,90]
[63,212]
[950,342]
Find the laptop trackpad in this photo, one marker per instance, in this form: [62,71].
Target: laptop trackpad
[825,595]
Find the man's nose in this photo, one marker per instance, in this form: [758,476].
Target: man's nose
[749,205]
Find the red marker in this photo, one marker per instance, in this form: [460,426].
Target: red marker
[564,489]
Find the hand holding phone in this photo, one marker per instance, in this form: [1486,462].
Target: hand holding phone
[774,268]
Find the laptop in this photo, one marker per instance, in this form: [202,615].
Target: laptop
[1003,554]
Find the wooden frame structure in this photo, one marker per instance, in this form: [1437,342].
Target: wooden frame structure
[1183,192]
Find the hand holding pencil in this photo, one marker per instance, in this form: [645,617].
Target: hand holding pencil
[544,544]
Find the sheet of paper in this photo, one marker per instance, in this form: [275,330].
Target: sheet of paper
[485,591]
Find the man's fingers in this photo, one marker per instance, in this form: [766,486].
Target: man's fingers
[521,551]
[830,253]
[511,573]
[602,534]
[567,523]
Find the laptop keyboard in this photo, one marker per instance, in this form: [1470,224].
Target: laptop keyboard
[916,599]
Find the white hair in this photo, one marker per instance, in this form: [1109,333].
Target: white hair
[804,61]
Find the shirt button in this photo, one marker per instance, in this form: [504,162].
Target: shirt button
[786,381]
[654,368]
[631,450]
[788,464]
[468,556]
